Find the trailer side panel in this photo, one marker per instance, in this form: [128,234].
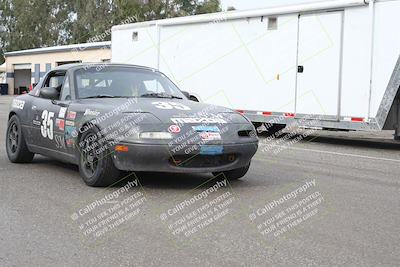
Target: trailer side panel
[235,63]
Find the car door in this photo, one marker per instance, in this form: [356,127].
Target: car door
[48,120]
[65,120]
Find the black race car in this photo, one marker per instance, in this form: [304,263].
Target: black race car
[114,118]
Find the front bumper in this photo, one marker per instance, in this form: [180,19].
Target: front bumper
[165,158]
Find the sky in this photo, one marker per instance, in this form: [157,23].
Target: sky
[252,4]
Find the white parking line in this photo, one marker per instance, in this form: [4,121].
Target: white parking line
[339,154]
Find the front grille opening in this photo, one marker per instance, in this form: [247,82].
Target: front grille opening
[246,133]
[202,161]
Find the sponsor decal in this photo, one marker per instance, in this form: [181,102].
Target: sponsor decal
[210,136]
[211,150]
[208,133]
[202,128]
[70,123]
[36,121]
[69,142]
[70,134]
[198,120]
[61,114]
[174,129]
[91,112]
[19,104]
[71,115]
[60,123]
[60,141]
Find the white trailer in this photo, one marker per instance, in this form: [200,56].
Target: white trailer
[335,60]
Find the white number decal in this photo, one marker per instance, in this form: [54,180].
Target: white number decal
[162,105]
[47,124]
[170,105]
[179,106]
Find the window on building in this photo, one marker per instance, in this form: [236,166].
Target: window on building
[60,63]
[272,23]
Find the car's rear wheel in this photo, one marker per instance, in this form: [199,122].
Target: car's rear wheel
[95,163]
[234,174]
[17,150]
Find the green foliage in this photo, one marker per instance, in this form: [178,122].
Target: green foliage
[26,24]
[209,6]
[89,18]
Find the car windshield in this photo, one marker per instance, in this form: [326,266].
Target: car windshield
[114,82]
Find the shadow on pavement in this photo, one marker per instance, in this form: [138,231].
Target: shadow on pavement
[365,143]
[153,180]
[362,142]
[156,180]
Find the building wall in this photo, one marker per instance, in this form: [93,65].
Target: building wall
[41,63]
[2,77]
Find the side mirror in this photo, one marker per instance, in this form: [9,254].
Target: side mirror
[186,94]
[190,97]
[49,93]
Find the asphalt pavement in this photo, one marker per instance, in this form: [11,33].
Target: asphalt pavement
[328,199]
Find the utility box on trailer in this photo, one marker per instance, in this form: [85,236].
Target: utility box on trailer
[338,61]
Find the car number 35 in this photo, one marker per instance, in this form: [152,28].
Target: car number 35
[46,128]
[170,105]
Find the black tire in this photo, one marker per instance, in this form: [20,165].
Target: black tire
[17,150]
[268,130]
[96,168]
[233,174]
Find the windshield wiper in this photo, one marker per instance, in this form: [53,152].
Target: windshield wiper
[106,96]
[99,96]
[161,95]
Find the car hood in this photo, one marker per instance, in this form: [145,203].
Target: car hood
[165,110]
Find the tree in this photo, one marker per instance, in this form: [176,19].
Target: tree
[89,18]
[209,6]
[30,24]
[26,24]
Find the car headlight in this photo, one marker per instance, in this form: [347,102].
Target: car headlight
[156,135]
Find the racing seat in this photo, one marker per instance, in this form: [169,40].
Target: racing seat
[119,88]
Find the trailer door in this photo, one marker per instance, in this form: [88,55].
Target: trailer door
[319,60]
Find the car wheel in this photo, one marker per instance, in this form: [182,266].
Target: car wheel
[96,168]
[17,150]
[234,174]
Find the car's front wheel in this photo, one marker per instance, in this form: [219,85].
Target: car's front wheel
[17,150]
[233,174]
[95,163]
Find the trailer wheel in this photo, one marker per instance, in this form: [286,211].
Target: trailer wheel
[268,130]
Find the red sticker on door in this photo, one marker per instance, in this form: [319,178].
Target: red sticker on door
[71,115]
[60,123]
